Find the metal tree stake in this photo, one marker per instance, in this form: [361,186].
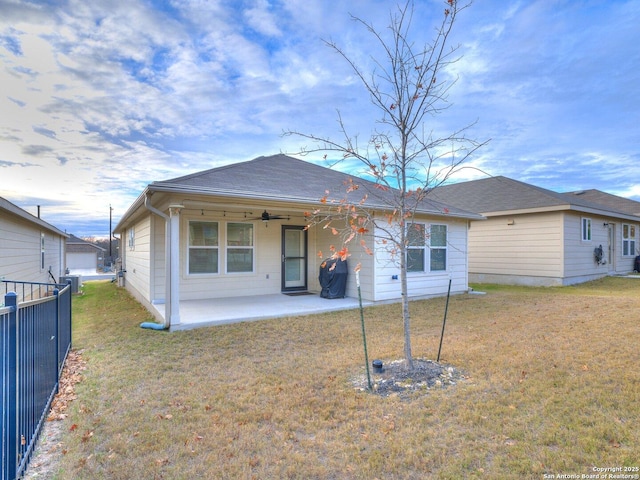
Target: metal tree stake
[444,321]
[364,335]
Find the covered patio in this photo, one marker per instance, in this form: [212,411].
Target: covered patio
[221,311]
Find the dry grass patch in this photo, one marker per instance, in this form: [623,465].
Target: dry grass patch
[552,387]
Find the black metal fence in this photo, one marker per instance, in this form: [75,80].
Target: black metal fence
[28,290]
[35,338]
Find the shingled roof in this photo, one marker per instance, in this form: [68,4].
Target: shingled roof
[78,245]
[501,195]
[280,177]
[7,206]
[613,201]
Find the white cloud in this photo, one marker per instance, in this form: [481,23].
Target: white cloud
[101,98]
[260,18]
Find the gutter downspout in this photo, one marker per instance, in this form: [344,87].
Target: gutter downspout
[167,267]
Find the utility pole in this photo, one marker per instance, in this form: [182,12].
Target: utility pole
[110,242]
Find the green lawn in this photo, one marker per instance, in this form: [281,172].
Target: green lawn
[552,386]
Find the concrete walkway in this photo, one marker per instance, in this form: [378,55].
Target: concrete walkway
[88,274]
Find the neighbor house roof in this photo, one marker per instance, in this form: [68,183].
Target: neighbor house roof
[9,207]
[284,178]
[78,245]
[501,196]
[613,201]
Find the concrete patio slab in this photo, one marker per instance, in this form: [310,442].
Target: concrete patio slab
[201,313]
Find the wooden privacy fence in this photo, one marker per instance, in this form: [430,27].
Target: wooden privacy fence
[35,338]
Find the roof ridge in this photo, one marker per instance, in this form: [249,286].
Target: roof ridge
[543,190]
[228,166]
[202,172]
[502,178]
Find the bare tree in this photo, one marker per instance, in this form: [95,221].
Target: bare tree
[404,157]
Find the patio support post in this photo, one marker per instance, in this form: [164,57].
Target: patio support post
[174,214]
[167,256]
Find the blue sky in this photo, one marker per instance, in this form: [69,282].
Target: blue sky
[100,98]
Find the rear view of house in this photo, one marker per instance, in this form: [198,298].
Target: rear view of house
[534,236]
[240,230]
[31,249]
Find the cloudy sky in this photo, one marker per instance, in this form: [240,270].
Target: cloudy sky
[98,98]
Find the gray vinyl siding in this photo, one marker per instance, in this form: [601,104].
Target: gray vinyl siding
[145,263]
[579,254]
[520,245]
[137,259]
[20,253]
[266,277]
[357,256]
[425,284]
[544,249]
[20,258]
[158,262]
[580,260]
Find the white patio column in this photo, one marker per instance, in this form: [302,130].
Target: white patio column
[174,258]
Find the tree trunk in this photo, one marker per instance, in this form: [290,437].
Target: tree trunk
[406,318]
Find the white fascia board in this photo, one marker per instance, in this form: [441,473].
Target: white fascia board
[283,198]
[561,208]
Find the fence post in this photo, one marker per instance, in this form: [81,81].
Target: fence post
[9,413]
[56,292]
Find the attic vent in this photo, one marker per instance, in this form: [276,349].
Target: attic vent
[580,192]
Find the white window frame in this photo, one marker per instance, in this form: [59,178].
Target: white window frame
[629,239]
[251,247]
[428,248]
[132,238]
[421,246]
[42,243]
[193,248]
[444,248]
[585,229]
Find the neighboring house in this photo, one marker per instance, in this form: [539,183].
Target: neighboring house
[83,255]
[614,202]
[534,236]
[31,250]
[239,230]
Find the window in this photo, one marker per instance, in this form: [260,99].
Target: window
[132,238]
[417,247]
[203,247]
[586,229]
[239,247]
[628,240]
[416,244]
[42,251]
[438,244]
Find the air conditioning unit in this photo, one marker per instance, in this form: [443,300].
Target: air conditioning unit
[76,281]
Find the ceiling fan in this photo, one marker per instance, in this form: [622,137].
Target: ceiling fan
[266,216]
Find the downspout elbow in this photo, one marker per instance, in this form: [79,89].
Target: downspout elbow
[153,325]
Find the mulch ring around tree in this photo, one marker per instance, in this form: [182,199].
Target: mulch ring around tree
[395,380]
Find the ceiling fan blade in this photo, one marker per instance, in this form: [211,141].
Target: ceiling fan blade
[266,216]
